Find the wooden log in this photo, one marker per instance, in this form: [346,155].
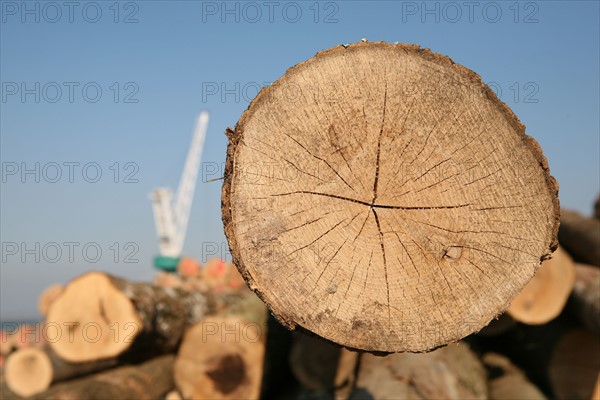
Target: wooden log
[580,236]
[47,298]
[220,358]
[537,350]
[508,382]
[574,365]
[7,394]
[150,380]
[173,395]
[32,370]
[28,371]
[101,316]
[545,296]
[451,372]
[585,299]
[365,211]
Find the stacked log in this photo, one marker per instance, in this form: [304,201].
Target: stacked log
[545,296]
[106,328]
[106,314]
[452,372]
[150,380]
[580,235]
[507,381]
[32,370]
[221,358]
[585,299]
[379,261]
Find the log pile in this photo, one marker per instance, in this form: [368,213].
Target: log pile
[199,333]
[431,287]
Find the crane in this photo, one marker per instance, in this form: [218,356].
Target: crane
[171,215]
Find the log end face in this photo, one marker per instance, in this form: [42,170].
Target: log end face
[96,320]
[545,296]
[28,372]
[361,251]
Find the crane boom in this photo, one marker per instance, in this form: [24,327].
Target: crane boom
[187,185]
[171,216]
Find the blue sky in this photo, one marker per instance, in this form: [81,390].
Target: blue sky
[157,64]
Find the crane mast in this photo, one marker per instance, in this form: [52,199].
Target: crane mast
[171,215]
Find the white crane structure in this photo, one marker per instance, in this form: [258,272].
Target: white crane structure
[171,215]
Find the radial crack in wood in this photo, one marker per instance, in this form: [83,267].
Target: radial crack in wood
[382,197]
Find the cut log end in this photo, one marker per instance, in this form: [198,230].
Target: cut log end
[545,296]
[99,321]
[220,358]
[392,204]
[28,371]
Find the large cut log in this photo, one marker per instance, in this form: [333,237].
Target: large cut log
[585,299]
[580,236]
[508,382]
[452,372]
[31,370]
[545,296]
[382,197]
[150,380]
[221,358]
[101,316]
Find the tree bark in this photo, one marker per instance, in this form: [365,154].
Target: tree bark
[585,299]
[376,191]
[100,316]
[221,358]
[545,296]
[452,372]
[580,236]
[150,380]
